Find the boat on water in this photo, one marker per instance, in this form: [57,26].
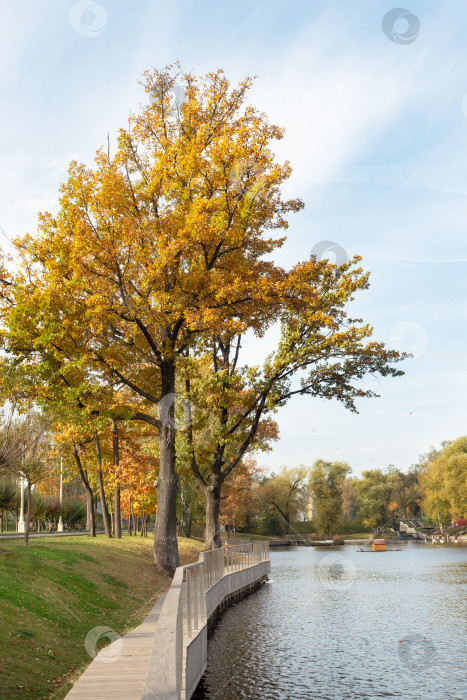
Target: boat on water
[380,546]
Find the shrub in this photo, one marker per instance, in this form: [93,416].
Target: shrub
[337,540]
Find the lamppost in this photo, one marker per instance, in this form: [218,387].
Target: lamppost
[21,508]
[60,519]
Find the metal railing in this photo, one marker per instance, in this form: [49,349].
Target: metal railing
[202,575]
[186,612]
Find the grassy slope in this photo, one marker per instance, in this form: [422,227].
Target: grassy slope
[56,591]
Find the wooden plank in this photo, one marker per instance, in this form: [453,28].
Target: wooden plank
[120,669]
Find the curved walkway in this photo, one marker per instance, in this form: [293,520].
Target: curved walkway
[119,670]
[166,655]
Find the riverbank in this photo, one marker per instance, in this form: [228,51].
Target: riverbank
[55,593]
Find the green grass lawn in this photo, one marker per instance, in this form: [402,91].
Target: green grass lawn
[55,592]
[237,536]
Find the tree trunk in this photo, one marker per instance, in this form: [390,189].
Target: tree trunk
[91,523]
[284,515]
[105,510]
[100,482]
[117,514]
[129,516]
[112,523]
[165,528]
[188,522]
[116,459]
[185,524]
[27,520]
[213,501]
[144,524]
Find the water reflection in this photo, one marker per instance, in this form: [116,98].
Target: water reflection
[363,625]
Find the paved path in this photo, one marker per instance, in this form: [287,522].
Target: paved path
[119,670]
[20,535]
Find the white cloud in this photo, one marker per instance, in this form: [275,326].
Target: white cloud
[47,202]
[334,103]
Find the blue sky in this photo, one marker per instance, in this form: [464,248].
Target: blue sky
[376,132]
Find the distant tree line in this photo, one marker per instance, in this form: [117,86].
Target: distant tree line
[434,490]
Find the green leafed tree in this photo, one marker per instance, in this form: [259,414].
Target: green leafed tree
[377,491]
[285,493]
[443,482]
[326,485]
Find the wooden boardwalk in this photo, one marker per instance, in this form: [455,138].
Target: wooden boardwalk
[119,670]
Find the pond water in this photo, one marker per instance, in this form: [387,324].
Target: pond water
[336,623]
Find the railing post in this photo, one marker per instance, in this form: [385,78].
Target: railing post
[205,586]
[195,598]
[188,602]
[201,591]
[179,647]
